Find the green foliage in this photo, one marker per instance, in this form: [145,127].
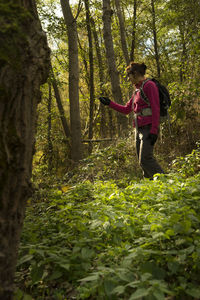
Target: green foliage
[188,165]
[116,162]
[102,240]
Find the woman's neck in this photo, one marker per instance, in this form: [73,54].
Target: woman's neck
[139,79]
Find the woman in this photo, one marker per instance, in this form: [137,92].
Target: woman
[146,117]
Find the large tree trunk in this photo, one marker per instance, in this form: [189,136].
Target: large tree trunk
[122,31]
[24,65]
[91,78]
[114,75]
[75,119]
[155,38]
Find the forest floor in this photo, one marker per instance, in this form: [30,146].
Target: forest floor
[103,232]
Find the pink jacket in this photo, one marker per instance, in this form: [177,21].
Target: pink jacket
[151,91]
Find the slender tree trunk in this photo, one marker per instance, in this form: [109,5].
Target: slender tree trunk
[133,42]
[155,38]
[114,75]
[91,81]
[103,127]
[75,120]
[183,54]
[24,59]
[61,111]
[122,31]
[83,55]
[50,145]
[111,125]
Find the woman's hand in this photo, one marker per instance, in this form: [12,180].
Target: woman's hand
[153,138]
[104,100]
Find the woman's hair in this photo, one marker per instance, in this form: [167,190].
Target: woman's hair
[136,67]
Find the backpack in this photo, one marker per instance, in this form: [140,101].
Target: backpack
[164,97]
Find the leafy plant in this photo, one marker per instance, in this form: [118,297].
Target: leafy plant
[189,164]
[104,241]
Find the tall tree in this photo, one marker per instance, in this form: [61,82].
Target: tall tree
[24,65]
[183,61]
[49,140]
[122,31]
[75,120]
[103,128]
[61,111]
[110,54]
[91,78]
[133,41]
[155,37]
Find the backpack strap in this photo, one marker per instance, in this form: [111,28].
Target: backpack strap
[142,94]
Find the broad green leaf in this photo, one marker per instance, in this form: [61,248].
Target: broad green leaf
[64,266]
[18,295]
[173,267]
[141,292]
[169,232]
[27,297]
[159,295]
[37,273]
[118,290]
[24,259]
[55,275]
[86,253]
[93,277]
[194,292]
[125,275]
[109,285]
[152,268]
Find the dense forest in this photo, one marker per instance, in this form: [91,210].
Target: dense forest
[108,35]
[77,218]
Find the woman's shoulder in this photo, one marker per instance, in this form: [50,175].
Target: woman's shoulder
[149,84]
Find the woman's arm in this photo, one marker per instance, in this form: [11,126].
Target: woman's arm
[124,109]
[151,91]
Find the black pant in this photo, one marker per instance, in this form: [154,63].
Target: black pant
[144,151]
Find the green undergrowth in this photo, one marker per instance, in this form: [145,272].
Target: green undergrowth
[104,239]
[116,162]
[99,241]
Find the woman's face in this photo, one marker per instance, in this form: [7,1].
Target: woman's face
[133,77]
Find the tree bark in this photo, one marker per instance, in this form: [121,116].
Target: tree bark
[110,55]
[183,61]
[122,32]
[91,76]
[103,127]
[61,111]
[50,145]
[155,39]
[133,42]
[75,119]
[24,66]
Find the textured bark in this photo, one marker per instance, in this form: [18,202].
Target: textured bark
[155,38]
[24,65]
[122,31]
[75,120]
[103,127]
[91,76]
[110,55]
[50,145]
[61,111]
[183,62]
[133,42]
